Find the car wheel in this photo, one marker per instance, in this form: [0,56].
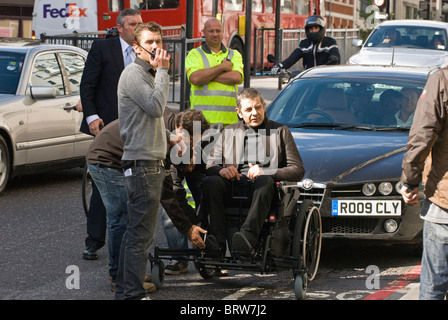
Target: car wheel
[5,165]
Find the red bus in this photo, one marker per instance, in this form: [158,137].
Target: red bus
[86,16]
[232,13]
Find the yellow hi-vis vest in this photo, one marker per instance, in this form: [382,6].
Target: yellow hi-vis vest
[217,101]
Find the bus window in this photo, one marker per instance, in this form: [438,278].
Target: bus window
[269,7]
[154,4]
[257,5]
[234,5]
[116,5]
[301,7]
[286,6]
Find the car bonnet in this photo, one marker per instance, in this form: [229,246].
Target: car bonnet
[331,156]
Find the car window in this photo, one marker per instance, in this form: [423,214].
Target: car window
[359,102]
[46,72]
[409,37]
[74,65]
[11,64]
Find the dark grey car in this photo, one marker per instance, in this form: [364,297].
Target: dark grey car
[352,146]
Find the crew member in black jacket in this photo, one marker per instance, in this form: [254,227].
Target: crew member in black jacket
[316,49]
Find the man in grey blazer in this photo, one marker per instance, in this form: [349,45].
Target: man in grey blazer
[104,64]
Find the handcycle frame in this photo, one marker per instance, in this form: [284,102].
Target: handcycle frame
[291,238]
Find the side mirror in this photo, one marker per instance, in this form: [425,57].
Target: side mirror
[356,42]
[43,92]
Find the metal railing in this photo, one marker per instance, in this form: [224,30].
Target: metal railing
[177,45]
[264,44]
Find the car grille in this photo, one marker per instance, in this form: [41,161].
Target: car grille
[349,225]
[315,194]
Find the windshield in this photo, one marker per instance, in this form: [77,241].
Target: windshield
[408,37]
[11,64]
[363,103]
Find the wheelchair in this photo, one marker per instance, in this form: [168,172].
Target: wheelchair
[290,239]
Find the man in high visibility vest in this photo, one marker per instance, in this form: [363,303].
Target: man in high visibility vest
[214,73]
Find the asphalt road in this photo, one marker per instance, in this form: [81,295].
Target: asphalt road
[42,232]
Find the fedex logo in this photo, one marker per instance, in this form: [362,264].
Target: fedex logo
[70,10]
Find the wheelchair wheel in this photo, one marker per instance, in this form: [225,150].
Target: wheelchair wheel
[158,273]
[307,239]
[300,286]
[86,189]
[205,272]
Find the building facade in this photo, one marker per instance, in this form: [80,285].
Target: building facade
[16,18]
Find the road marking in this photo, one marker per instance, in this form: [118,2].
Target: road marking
[239,294]
[402,281]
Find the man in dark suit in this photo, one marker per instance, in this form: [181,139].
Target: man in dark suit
[106,60]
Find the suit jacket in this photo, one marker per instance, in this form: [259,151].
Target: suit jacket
[99,81]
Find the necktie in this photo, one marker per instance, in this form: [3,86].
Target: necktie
[128,59]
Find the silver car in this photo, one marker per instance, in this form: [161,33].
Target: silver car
[39,127]
[417,43]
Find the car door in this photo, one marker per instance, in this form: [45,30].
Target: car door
[50,119]
[74,67]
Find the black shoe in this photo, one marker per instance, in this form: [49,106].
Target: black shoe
[212,249]
[90,254]
[241,244]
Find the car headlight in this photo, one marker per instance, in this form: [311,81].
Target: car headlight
[385,188]
[368,189]
[398,186]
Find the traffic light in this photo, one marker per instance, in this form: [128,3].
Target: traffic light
[423,9]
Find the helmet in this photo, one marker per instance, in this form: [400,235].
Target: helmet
[315,21]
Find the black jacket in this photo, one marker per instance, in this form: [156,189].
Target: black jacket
[314,54]
[99,81]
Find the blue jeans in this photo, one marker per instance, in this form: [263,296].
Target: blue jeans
[434,274]
[175,238]
[144,188]
[110,183]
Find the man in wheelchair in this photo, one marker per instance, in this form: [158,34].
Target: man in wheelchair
[247,159]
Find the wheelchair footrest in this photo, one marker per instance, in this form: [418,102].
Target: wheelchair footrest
[170,254]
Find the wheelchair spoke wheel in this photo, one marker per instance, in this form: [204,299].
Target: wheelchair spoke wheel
[307,239]
[312,242]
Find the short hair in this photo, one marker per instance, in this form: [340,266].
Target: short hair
[248,93]
[150,26]
[188,118]
[126,12]
[389,94]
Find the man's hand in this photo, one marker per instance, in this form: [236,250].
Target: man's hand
[95,126]
[254,171]
[410,196]
[194,235]
[162,59]
[227,65]
[230,173]
[79,106]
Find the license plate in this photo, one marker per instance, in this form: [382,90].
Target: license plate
[366,207]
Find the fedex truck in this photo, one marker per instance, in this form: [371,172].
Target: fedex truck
[54,17]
